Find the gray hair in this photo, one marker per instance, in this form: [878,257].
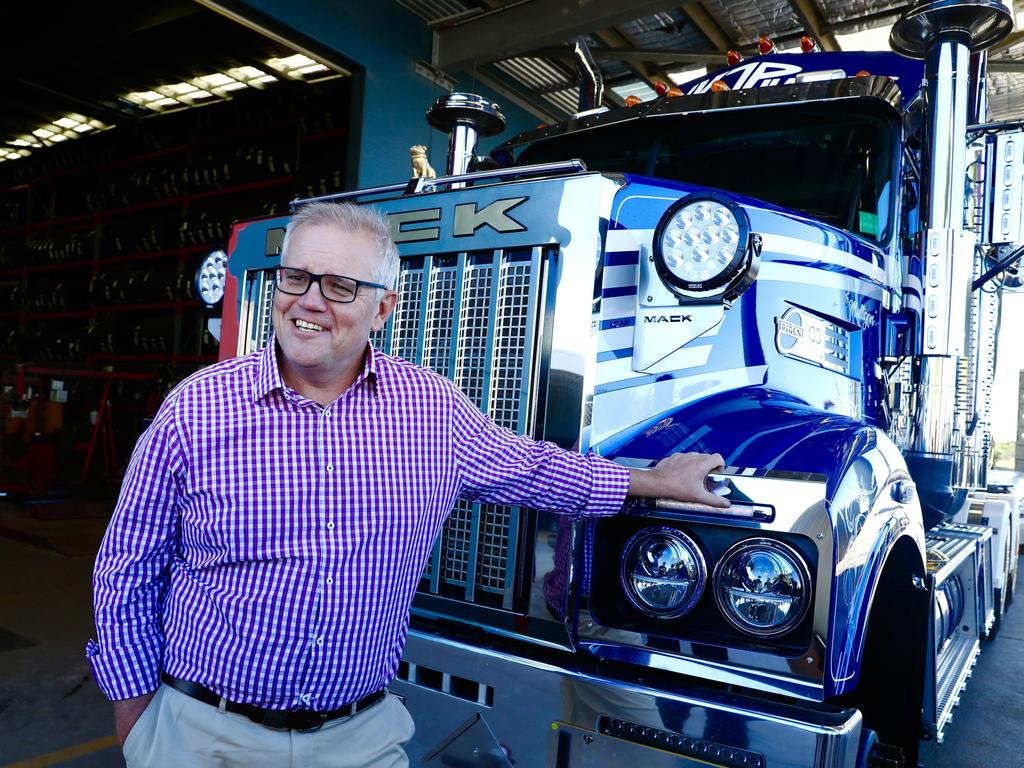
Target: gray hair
[351,218]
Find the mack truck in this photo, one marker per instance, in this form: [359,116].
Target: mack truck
[798,264]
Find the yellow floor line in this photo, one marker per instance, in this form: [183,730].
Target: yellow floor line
[61,755]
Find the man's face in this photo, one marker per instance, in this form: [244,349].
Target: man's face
[322,339]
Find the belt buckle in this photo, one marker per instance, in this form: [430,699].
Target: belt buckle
[307,721]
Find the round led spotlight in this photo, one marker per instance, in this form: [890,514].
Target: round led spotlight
[211,277]
[663,572]
[703,248]
[763,587]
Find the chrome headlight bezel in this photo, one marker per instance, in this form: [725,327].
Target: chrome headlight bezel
[698,573]
[729,560]
[734,276]
[211,277]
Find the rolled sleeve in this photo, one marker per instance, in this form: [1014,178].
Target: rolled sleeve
[610,485]
[131,571]
[499,467]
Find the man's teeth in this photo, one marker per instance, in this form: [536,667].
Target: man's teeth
[309,326]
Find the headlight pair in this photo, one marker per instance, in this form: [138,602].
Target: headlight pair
[761,586]
[703,248]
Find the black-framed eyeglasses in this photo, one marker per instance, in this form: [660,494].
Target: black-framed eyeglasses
[338,288]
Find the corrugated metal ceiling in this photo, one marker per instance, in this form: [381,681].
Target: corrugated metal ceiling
[709,27]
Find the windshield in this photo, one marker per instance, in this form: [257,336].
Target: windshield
[834,165]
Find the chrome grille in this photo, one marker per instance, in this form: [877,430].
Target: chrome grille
[455,543]
[506,401]
[437,337]
[495,524]
[471,346]
[406,321]
[257,323]
[475,323]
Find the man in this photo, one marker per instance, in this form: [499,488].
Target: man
[253,588]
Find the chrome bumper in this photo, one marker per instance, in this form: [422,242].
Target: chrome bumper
[474,704]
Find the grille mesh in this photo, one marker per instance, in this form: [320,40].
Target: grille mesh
[495,523]
[510,348]
[264,318]
[437,338]
[406,322]
[455,543]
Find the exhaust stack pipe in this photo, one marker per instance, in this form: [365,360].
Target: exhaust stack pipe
[591,81]
[465,117]
[944,33]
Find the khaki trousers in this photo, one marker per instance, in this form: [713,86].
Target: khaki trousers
[177,731]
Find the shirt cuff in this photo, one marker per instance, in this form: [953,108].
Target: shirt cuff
[609,488]
[123,673]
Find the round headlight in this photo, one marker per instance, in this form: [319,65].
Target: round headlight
[763,587]
[211,276]
[663,572]
[702,247]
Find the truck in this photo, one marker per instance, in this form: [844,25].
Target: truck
[797,263]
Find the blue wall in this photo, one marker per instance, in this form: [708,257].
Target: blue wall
[386,40]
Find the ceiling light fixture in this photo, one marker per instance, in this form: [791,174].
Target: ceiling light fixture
[70,126]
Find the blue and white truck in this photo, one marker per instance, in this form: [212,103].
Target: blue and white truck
[797,264]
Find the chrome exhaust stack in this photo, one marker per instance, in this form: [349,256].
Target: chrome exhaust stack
[465,117]
[944,33]
[591,92]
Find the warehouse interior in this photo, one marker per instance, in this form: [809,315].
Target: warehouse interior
[136,134]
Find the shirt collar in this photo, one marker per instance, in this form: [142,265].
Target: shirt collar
[268,373]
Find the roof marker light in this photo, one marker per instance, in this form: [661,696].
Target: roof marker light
[719,86]
[808,44]
[733,58]
[765,45]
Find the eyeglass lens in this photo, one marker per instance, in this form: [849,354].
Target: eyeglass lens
[334,287]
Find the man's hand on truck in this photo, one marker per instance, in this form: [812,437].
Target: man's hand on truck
[680,477]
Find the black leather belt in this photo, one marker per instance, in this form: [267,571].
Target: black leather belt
[295,720]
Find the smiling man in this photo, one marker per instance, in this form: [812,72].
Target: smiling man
[253,588]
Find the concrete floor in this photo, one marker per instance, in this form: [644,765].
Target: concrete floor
[52,714]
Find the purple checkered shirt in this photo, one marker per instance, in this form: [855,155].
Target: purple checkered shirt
[268,547]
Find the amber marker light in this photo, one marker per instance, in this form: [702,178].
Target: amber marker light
[719,86]
[632,100]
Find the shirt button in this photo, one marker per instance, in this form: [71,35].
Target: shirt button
[330,526]
[320,640]
[330,580]
[306,697]
[330,467]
